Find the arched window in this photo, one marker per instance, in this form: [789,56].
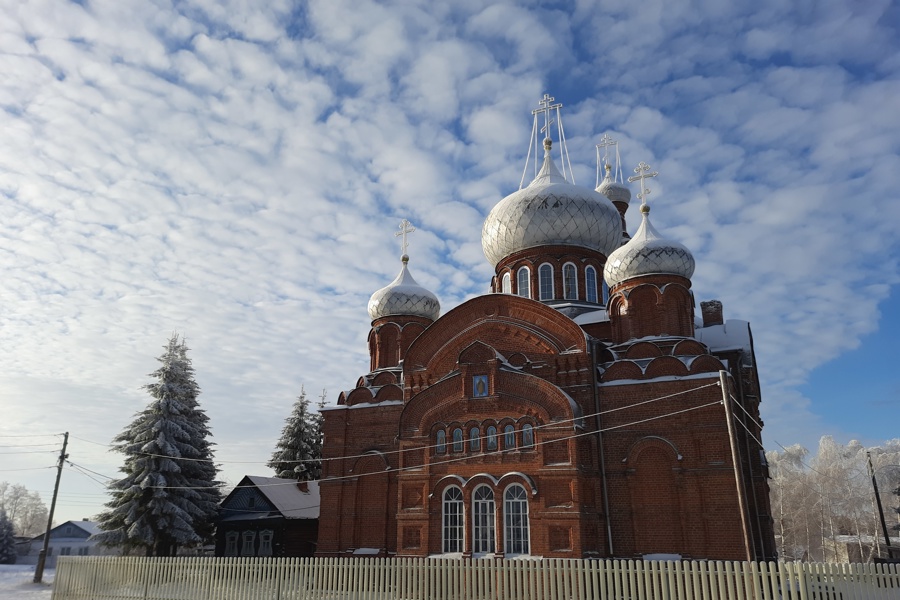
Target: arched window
[491,438]
[474,440]
[527,436]
[509,437]
[523,282]
[453,520]
[457,440]
[605,292]
[441,445]
[506,286]
[590,284]
[515,519]
[483,532]
[570,282]
[545,275]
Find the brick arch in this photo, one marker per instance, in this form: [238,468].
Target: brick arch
[643,350]
[512,323]
[389,392]
[665,366]
[654,488]
[359,396]
[689,348]
[623,369]
[706,364]
[383,378]
[651,441]
[476,353]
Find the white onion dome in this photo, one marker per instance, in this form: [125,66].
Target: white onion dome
[403,296]
[550,211]
[615,191]
[648,253]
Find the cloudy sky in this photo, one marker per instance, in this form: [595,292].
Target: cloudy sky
[235,171]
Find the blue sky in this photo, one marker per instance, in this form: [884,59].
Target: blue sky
[235,171]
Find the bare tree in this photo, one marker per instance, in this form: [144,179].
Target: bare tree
[25,509]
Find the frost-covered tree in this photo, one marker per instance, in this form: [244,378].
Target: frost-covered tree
[168,495]
[7,540]
[298,452]
[24,508]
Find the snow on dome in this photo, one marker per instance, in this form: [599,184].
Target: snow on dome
[404,296]
[550,210]
[648,253]
[615,191]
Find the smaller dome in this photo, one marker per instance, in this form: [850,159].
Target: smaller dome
[615,191]
[404,296]
[648,253]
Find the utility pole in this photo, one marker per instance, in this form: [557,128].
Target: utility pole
[739,480]
[884,529]
[42,557]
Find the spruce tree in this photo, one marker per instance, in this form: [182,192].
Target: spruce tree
[168,495]
[298,453]
[7,540]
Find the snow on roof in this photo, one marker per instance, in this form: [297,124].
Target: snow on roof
[287,496]
[714,375]
[734,334]
[595,316]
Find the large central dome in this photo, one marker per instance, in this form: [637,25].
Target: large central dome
[551,211]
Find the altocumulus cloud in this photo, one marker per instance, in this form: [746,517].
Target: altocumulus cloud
[235,172]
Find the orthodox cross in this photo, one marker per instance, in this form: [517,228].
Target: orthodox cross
[546,105]
[605,143]
[405,228]
[643,172]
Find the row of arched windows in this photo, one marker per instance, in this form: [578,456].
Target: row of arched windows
[482,526]
[490,439]
[547,283]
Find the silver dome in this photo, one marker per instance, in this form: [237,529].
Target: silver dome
[551,211]
[404,296]
[648,253]
[616,192]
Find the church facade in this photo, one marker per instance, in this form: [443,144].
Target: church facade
[575,411]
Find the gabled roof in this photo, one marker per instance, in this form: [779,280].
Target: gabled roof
[284,494]
[88,527]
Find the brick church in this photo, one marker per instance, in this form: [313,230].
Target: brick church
[574,411]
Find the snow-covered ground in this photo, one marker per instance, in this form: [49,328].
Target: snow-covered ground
[16,583]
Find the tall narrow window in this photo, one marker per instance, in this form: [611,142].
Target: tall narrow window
[457,440]
[441,442]
[523,282]
[474,440]
[545,275]
[248,549]
[483,528]
[265,542]
[570,282]
[231,541]
[590,284]
[515,519]
[527,436]
[605,292]
[509,437]
[453,520]
[506,286]
[491,438]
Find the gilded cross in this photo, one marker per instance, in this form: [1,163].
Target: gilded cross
[405,228]
[643,172]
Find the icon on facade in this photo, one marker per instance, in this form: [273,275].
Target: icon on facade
[480,386]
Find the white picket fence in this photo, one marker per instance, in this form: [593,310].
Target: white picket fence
[126,578]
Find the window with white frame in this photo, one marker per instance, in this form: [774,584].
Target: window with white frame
[441,445]
[83,551]
[590,284]
[570,282]
[523,282]
[231,543]
[483,526]
[457,440]
[515,519]
[248,548]
[527,436]
[509,437]
[506,285]
[265,542]
[474,440]
[545,277]
[453,520]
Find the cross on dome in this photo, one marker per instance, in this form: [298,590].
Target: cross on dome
[606,142]
[546,106]
[643,172]
[405,228]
